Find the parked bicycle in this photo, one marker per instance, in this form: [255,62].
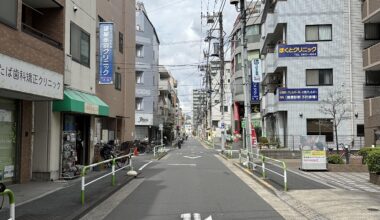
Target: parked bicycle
[109,151]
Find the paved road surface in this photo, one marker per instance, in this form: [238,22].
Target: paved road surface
[188,181]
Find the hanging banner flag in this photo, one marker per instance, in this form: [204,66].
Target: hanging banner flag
[105,53]
[298,50]
[256,70]
[255,92]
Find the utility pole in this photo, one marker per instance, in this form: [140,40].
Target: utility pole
[246,81]
[221,57]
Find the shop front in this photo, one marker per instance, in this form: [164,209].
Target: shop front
[79,111]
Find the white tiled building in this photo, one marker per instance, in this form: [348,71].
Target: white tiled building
[334,26]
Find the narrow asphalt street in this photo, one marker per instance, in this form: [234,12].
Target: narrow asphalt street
[191,181]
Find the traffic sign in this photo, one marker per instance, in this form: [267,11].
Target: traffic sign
[222,125]
[243,124]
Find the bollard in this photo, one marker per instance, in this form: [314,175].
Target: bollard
[82,186]
[113,172]
[12,205]
[263,165]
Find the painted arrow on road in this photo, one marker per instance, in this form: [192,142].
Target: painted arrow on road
[190,157]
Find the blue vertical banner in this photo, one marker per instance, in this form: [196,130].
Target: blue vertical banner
[255,92]
[256,79]
[105,53]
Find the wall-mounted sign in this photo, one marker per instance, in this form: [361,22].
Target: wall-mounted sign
[105,53]
[20,76]
[255,92]
[9,171]
[91,109]
[256,70]
[298,50]
[306,94]
[143,119]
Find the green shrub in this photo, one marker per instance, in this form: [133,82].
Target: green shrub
[263,140]
[373,161]
[365,151]
[334,159]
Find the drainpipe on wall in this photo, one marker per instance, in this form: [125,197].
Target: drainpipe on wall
[351,76]
[32,143]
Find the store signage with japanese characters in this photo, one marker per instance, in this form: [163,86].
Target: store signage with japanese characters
[256,70]
[20,76]
[106,53]
[309,94]
[298,50]
[255,92]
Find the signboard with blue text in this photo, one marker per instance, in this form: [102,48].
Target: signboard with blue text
[302,94]
[255,92]
[106,53]
[298,50]
[256,70]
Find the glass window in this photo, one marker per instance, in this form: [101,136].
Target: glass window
[321,127]
[372,78]
[372,31]
[253,30]
[139,77]
[319,32]
[139,50]
[319,77]
[360,130]
[121,42]
[139,104]
[8,12]
[79,45]
[117,81]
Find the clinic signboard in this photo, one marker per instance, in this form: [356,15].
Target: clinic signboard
[106,52]
[298,50]
[256,79]
[299,94]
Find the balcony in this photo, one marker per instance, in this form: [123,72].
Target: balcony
[44,20]
[272,62]
[165,85]
[371,11]
[371,57]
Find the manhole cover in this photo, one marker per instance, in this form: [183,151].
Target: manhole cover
[373,209]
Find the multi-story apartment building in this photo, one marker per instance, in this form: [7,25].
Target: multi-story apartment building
[31,75]
[253,41]
[311,48]
[147,76]
[371,65]
[167,103]
[199,108]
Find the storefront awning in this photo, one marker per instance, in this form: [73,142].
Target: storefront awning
[75,101]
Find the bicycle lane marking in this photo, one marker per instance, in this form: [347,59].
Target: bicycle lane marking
[143,166]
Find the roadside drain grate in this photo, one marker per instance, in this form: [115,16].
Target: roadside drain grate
[373,209]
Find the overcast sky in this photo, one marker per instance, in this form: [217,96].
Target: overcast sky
[179,21]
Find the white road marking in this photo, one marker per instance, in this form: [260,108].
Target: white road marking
[143,166]
[195,157]
[106,207]
[182,164]
[209,218]
[197,216]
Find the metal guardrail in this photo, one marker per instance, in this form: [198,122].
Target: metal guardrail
[266,160]
[12,205]
[113,172]
[158,149]
[230,153]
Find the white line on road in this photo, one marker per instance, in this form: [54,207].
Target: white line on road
[106,207]
[182,164]
[143,166]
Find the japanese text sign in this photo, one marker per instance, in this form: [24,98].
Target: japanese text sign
[298,50]
[20,76]
[309,94]
[255,92]
[105,53]
[256,70]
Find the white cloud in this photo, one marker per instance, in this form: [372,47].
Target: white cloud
[178,21]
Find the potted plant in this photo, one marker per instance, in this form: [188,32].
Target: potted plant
[373,162]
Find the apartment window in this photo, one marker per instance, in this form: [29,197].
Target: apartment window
[8,12]
[139,104]
[79,45]
[225,108]
[215,124]
[253,33]
[139,77]
[238,61]
[319,77]
[117,81]
[139,50]
[321,127]
[372,78]
[253,54]
[319,32]
[360,130]
[121,42]
[372,31]
[228,80]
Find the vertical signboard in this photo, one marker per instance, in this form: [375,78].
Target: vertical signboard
[256,79]
[105,53]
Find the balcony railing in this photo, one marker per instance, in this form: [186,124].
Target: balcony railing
[371,57]
[38,34]
[369,8]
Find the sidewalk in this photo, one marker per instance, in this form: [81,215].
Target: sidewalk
[61,199]
[330,203]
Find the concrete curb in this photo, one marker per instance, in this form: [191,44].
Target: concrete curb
[82,212]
